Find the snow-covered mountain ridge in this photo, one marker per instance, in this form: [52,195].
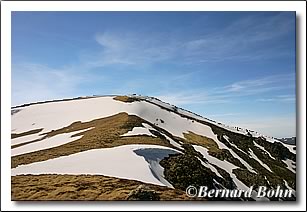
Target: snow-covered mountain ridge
[142,138]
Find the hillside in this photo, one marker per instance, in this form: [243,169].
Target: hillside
[105,147]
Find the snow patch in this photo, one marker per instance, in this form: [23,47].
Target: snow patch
[172,142]
[153,156]
[26,138]
[235,155]
[263,149]
[121,162]
[140,131]
[211,167]
[290,147]
[222,164]
[291,165]
[257,159]
[288,187]
[228,167]
[47,143]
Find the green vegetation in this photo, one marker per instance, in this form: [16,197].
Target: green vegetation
[183,170]
[246,176]
[226,181]
[276,149]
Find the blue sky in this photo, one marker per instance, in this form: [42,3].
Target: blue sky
[234,67]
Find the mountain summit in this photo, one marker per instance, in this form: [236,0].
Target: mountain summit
[137,147]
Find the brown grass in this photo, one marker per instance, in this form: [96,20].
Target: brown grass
[200,140]
[25,143]
[82,187]
[125,99]
[17,135]
[106,133]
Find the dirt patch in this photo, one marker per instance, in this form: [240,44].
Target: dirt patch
[82,187]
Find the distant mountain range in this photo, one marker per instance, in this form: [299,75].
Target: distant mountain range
[290,141]
[137,148]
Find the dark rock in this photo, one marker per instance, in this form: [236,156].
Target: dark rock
[143,193]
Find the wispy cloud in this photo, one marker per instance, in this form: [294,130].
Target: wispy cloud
[132,48]
[259,85]
[281,98]
[235,91]
[238,41]
[32,82]
[35,82]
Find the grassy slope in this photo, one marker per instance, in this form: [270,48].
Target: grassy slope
[82,187]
